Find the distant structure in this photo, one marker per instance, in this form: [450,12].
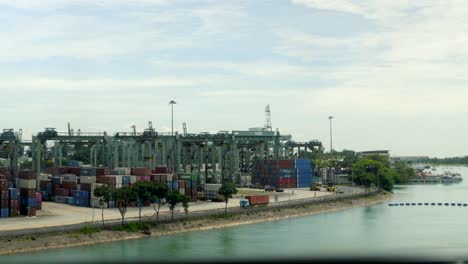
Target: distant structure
[411,158]
[268,119]
[365,154]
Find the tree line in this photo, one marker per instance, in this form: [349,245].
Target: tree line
[379,171]
[157,194]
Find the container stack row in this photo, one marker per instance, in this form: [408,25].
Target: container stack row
[283,173]
[27,184]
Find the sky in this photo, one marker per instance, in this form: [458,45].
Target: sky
[392,73]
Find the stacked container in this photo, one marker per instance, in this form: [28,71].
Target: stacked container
[81,198]
[113,181]
[211,191]
[287,178]
[27,183]
[14,203]
[141,171]
[56,183]
[161,170]
[6,172]
[38,201]
[304,173]
[190,185]
[4,196]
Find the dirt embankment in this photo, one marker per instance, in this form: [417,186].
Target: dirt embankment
[30,243]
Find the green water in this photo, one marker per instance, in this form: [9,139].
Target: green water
[378,230]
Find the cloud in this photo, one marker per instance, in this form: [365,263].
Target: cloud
[99,85]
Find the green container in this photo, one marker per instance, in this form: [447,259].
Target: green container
[188,177]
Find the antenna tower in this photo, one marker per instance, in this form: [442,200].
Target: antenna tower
[268,118]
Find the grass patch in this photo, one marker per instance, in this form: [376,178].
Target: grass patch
[132,227]
[87,230]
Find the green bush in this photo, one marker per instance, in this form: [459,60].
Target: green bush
[133,227]
[87,230]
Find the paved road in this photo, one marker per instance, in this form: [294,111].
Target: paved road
[56,214]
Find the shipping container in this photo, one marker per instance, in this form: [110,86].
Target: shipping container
[258,199]
[27,184]
[141,171]
[27,175]
[87,172]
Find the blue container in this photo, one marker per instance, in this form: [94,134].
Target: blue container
[126,179]
[14,194]
[45,195]
[175,185]
[81,194]
[4,212]
[73,163]
[81,202]
[69,200]
[87,171]
[56,180]
[49,188]
[111,204]
[32,202]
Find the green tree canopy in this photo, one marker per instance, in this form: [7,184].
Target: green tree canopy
[123,197]
[227,190]
[367,172]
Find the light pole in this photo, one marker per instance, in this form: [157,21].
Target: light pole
[331,148]
[331,136]
[172,103]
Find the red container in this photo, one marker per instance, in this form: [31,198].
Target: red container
[181,184]
[38,197]
[4,203]
[286,164]
[14,204]
[31,212]
[141,171]
[53,170]
[62,192]
[69,185]
[27,175]
[44,184]
[102,171]
[85,187]
[144,178]
[62,170]
[74,170]
[146,203]
[159,170]
[27,192]
[258,199]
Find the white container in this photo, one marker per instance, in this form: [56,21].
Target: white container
[212,187]
[87,179]
[44,176]
[182,191]
[69,178]
[133,179]
[126,171]
[27,184]
[96,203]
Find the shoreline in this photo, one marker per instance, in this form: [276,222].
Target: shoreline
[33,243]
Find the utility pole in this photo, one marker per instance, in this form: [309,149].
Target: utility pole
[331,149]
[172,103]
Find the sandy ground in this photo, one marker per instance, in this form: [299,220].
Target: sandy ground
[56,214]
[60,240]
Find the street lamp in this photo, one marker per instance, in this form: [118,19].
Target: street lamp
[172,103]
[331,146]
[331,136]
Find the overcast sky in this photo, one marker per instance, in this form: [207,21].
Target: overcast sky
[392,73]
